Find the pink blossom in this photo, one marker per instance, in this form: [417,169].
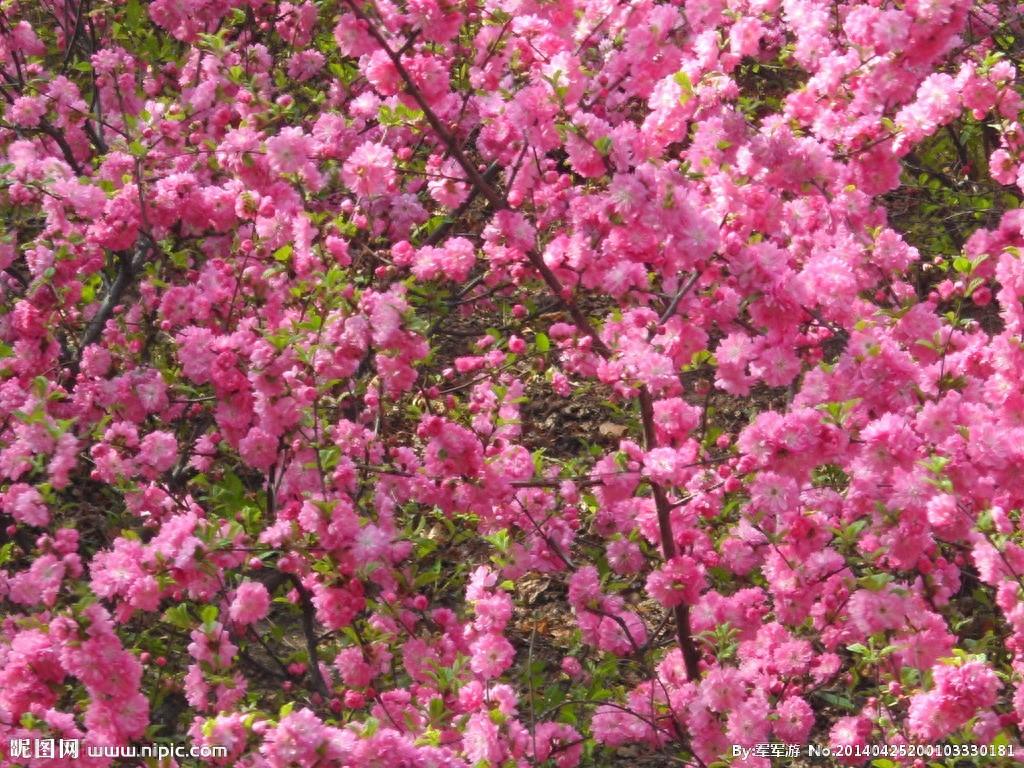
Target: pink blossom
[290,150]
[795,719]
[251,603]
[258,449]
[680,580]
[159,450]
[25,504]
[27,111]
[491,655]
[369,170]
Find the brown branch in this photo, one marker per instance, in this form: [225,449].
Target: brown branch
[674,304]
[128,268]
[309,630]
[65,148]
[442,231]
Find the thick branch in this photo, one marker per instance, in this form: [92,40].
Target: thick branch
[65,148]
[128,267]
[309,630]
[684,635]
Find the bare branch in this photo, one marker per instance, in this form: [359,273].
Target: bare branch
[309,630]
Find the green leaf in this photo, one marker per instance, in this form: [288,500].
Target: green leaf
[209,614]
[836,700]
[436,708]
[370,727]
[541,342]
[133,13]
[499,540]
[178,616]
[874,582]
[685,86]
[5,552]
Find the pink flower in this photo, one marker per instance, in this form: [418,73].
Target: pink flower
[159,450]
[458,259]
[369,170]
[851,731]
[114,572]
[305,64]
[959,693]
[680,580]
[481,741]
[747,723]
[25,504]
[946,517]
[572,667]
[31,671]
[674,418]
[621,635]
[795,718]
[665,465]
[380,71]
[27,111]
[39,584]
[372,543]
[744,36]
[481,582]
[774,494]
[560,742]
[258,449]
[291,150]
[295,741]
[625,557]
[492,612]
[336,607]
[491,655]
[355,672]
[584,588]
[251,603]
[776,366]
[352,37]
[614,727]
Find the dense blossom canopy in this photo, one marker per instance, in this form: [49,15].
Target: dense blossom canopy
[511,383]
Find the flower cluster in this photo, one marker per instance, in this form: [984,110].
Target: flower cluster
[432,383]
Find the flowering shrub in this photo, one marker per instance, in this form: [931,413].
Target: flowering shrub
[511,384]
